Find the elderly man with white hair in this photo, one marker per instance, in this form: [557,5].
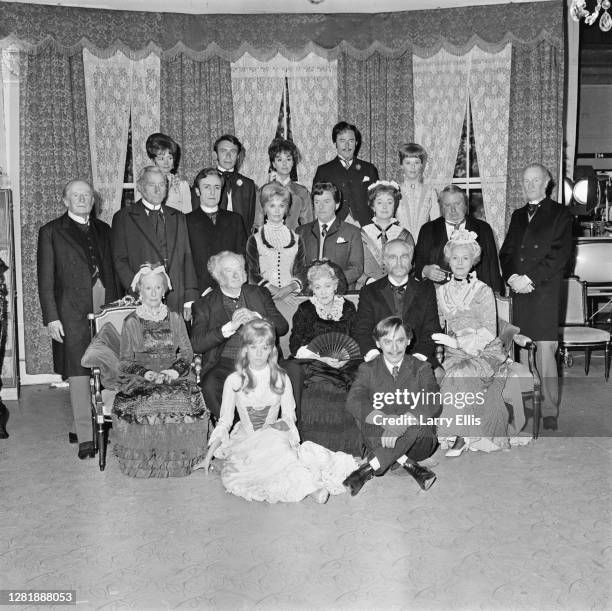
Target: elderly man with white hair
[219,314]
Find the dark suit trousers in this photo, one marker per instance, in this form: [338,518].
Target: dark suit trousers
[418,443]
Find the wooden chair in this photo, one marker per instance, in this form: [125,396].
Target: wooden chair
[527,373]
[575,333]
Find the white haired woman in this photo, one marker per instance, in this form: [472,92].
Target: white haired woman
[155,362]
[476,364]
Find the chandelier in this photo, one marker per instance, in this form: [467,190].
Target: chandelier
[578,10]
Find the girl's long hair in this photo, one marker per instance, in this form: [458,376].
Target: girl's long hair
[251,333]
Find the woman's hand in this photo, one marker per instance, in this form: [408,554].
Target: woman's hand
[150,376]
[169,374]
[335,363]
[434,273]
[280,425]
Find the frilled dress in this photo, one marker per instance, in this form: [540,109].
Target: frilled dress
[478,366]
[418,205]
[179,194]
[372,237]
[266,464]
[159,429]
[323,417]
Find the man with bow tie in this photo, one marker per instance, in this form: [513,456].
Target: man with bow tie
[329,237]
[429,259]
[534,255]
[75,277]
[239,192]
[399,294]
[148,230]
[351,175]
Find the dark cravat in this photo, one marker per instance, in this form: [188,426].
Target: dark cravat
[382,236]
[395,372]
[398,290]
[212,216]
[323,230]
[532,209]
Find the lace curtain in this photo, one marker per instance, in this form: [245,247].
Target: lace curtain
[257,88]
[54,149]
[196,108]
[489,87]
[116,86]
[440,97]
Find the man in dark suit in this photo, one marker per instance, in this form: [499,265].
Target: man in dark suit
[212,230]
[394,400]
[429,259]
[351,175]
[75,277]
[219,315]
[329,237]
[149,231]
[239,192]
[398,294]
[534,255]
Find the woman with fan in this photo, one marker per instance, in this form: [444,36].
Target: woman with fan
[320,341]
[383,198]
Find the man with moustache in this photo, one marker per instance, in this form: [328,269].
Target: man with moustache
[75,277]
[534,256]
[351,175]
[210,228]
[399,294]
[148,230]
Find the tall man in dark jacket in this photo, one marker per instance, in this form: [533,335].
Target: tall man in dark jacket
[351,175]
[429,252]
[534,255]
[210,228]
[149,231]
[75,277]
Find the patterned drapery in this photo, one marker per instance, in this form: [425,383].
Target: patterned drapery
[375,94]
[489,87]
[54,149]
[536,115]
[115,86]
[196,108]
[440,99]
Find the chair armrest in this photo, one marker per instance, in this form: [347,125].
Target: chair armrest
[522,340]
[196,364]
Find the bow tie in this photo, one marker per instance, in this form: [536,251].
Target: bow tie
[227,173]
[532,208]
[398,290]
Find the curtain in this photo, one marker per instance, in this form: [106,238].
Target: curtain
[196,107]
[257,88]
[536,114]
[114,87]
[440,102]
[489,88]
[376,94]
[313,91]
[54,149]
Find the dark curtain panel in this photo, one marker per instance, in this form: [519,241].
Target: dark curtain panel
[196,107]
[376,95]
[54,149]
[536,114]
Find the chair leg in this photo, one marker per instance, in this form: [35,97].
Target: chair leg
[537,402]
[587,360]
[607,361]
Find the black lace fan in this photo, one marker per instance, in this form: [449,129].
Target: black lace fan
[336,346]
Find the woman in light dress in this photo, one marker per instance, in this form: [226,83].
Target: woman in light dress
[264,460]
[419,202]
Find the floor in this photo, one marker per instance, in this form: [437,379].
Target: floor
[524,529]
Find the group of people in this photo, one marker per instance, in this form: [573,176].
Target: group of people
[230,260]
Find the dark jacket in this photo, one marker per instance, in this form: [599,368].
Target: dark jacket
[430,250]
[65,290]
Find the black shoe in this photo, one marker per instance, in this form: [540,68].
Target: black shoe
[550,423]
[3,432]
[72,438]
[355,481]
[86,450]
[425,477]
[3,418]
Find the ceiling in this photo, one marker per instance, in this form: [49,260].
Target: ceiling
[268,6]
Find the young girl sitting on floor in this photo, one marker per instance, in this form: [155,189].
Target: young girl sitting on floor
[264,460]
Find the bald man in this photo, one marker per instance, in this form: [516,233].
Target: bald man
[75,277]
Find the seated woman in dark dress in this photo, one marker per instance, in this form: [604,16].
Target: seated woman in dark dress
[156,390]
[323,418]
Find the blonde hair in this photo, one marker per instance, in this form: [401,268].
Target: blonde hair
[251,333]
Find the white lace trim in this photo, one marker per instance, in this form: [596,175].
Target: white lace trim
[333,313]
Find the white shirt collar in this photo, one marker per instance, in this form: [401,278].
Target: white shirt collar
[149,206]
[224,170]
[347,163]
[461,224]
[394,283]
[328,223]
[210,210]
[390,366]
[535,202]
[78,219]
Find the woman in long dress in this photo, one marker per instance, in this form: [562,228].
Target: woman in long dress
[475,360]
[383,198]
[264,460]
[419,202]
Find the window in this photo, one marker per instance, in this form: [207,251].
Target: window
[467,174]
